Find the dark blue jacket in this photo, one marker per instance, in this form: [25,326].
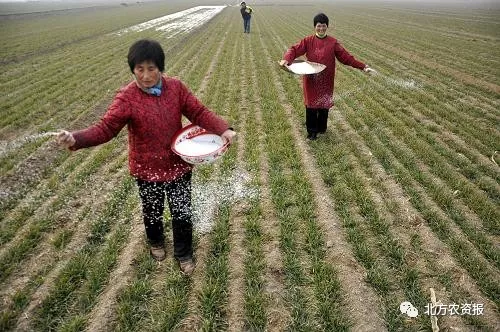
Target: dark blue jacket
[246,12]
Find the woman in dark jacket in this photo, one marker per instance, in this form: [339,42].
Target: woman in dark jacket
[152,107]
[246,14]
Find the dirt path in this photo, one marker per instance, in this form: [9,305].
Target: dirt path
[236,287]
[192,319]
[103,313]
[278,316]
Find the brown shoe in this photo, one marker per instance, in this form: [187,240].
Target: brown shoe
[158,253]
[187,267]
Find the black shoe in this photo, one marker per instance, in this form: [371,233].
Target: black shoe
[312,136]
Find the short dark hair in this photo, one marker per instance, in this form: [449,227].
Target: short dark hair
[146,50]
[320,18]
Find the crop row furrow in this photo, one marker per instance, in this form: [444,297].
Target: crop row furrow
[53,89]
[285,196]
[405,171]
[402,123]
[49,260]
[403,104]
[454,105]
[439,50]
[246,301]
[82,279]
[65,237]
[213,294]
[407,222]
[44,33]
[50,207]
[261,229]
[362,216]
[474,198]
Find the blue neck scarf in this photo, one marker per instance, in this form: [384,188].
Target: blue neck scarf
[155,90]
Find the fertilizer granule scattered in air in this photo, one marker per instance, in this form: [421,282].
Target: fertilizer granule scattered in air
[8,146]
[208,197]
[405,84]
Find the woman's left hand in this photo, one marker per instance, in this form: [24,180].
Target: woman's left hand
[229,135]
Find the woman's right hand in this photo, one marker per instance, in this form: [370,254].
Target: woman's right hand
[369,71]
[65,138]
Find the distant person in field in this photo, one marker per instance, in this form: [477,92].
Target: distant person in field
[246,13]
[152,106]
[318,88]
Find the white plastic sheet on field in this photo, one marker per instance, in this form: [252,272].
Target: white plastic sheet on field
[175,23]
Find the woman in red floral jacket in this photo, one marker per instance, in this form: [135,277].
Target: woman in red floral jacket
[152,107]
[318,88]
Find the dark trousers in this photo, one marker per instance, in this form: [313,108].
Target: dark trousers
[246,25]
[316,120]
[178,194]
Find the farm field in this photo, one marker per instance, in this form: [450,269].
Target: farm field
[399,197]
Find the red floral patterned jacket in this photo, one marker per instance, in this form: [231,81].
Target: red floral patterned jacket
[151,122]
[318,88]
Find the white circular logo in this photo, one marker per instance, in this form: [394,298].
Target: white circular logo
[408,308]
